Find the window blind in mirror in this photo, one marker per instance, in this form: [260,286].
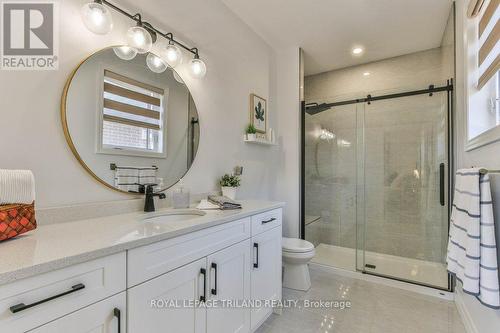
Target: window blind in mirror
[488,36]
[131,102]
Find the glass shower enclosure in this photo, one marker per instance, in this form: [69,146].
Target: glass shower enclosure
[376,184]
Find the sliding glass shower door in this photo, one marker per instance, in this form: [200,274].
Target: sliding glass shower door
[403,210]
[376,186]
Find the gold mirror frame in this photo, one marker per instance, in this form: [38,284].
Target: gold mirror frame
[70,142]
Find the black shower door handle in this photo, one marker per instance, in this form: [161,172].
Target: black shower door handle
[441,184]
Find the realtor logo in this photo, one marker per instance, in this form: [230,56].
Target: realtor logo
[29,36]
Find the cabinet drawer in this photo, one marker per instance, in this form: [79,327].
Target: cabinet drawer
[266,221]
[107,316]
[52,295]
[149,261]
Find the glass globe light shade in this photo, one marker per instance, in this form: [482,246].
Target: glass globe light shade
[97,18]
[125,52]
[172,54]
[140,39]
[197,68]
[155,63]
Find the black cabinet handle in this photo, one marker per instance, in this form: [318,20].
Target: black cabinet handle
[117,313]
[21,306]
[269,221]
[441,184]
[256,264]
[214,290]
[203,272]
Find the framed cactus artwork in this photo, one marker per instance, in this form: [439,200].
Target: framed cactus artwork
[258,113]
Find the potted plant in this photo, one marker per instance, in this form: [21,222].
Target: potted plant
[229,184]
[251,132]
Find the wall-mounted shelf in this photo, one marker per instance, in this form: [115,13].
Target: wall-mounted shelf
[258,141]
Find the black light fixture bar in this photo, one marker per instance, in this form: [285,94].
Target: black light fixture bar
[138,18]
[314,108]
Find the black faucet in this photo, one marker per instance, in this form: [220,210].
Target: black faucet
[149,204]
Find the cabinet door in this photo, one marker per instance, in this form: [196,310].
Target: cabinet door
[107,316]
[266,272]
[229,279]
[163,304]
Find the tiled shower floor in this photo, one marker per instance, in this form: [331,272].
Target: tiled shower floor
[426,272]
[375,308]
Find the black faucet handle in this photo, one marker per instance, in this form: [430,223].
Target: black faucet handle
[141,189]
[149,189]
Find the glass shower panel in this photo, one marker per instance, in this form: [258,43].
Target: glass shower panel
[330,185]
[403,231]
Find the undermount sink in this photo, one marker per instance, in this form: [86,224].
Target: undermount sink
[174,216]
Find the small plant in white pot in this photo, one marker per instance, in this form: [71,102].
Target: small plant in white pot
[229,184]
[251,132]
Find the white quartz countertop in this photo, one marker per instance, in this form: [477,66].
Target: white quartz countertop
[60,245]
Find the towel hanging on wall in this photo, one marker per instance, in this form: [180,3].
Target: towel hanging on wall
[17,187]
[472,251]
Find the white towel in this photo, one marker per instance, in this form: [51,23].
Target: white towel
[17,187]
[472,251]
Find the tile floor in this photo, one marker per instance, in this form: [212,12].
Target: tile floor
[375,309]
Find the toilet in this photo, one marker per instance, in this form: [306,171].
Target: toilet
[296,254]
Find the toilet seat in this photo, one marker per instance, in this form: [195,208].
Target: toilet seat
[295,245]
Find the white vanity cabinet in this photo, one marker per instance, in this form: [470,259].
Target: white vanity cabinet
[151,304]
[266,273]
[229,279]
[35,301]
[200,282]
[238,261]
[107,316]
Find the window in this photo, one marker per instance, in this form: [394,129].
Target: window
[483,59]
[132,117]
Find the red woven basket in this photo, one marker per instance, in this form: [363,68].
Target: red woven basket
[16,219]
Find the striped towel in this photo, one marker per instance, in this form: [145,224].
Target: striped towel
[472,252]
[17,187]
[127,178]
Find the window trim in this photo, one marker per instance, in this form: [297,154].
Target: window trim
[491,135]
[126,151]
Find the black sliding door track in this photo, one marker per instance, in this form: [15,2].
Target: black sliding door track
[315,108]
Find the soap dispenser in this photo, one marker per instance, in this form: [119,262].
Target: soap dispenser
[180,196]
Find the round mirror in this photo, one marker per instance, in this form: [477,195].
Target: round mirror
[130,120]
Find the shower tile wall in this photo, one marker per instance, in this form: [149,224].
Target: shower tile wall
[399,171]
[331,178]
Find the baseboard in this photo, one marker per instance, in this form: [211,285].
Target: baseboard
[464,313]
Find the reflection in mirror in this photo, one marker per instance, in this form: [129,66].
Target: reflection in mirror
[130,120]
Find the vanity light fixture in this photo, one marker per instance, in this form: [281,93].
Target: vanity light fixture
[125,52]
[172,53]
[97,18]
[197,68]
[141,37]
[155,63]
[366,74]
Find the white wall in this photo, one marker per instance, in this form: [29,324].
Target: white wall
[288,110]
[239,63]
[484,320]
